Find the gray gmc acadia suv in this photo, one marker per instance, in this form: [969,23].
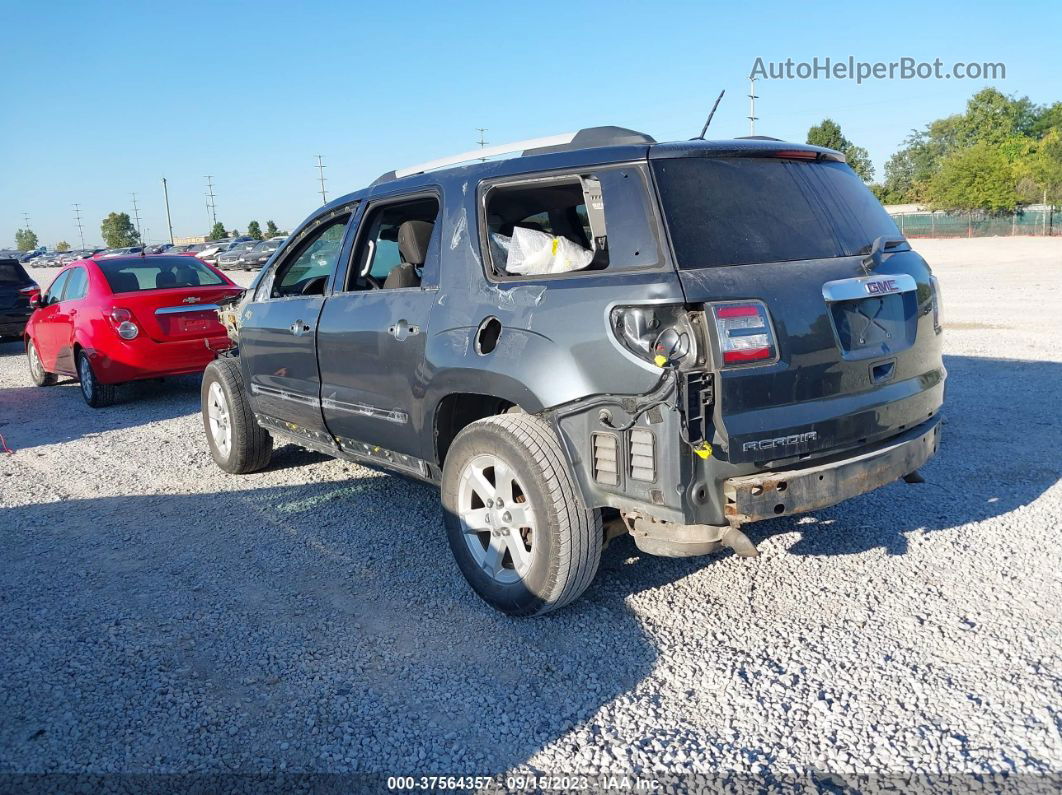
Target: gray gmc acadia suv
[603,334]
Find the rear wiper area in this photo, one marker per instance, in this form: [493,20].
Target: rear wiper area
[886,244]
[873,251]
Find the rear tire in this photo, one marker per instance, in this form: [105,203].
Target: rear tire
[40,376]
[238,444]
[96,394]
[539,549]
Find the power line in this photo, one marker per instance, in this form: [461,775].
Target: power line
[752,106]
[320,170]
[77,219]
[166,196]
[136,215]
[211,206]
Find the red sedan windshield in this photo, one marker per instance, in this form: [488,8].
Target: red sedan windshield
[157,273]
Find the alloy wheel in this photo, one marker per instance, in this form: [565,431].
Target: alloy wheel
[218,417]
[497,520]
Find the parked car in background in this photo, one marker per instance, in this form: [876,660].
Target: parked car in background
[216,248]
[18,292]
[260,254]
[230,259]
[127,318]
[29,256]
[119,252]
[160,248]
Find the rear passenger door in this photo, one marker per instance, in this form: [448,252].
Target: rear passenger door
[278,330]
[373,329]
[66,317]
[44,334]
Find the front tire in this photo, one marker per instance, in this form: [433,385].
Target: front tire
[40,376]
[96,394]
[514,516]
[238,444]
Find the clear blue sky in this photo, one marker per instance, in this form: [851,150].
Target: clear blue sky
[103,99]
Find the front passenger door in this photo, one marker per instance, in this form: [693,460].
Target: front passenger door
[278,330]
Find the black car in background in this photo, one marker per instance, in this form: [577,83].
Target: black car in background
[17,291]
[260,254]
[231,258]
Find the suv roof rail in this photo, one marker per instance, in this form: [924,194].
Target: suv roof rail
[582,139]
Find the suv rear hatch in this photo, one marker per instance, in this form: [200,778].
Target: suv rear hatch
[16,288]
[855,355]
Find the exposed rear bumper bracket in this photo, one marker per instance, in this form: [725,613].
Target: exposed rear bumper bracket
[767,495]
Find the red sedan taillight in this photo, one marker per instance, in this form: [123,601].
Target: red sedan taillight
[744,331]
[123,322]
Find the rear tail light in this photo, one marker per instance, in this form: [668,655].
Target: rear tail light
[123,322]
[31,291]
[744,330]
[663,335]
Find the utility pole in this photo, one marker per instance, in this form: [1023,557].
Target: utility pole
[166,196]
[77,219]
[136,215]
[320,171]
[26,216]
[482,141]
[752,105]
[210,199]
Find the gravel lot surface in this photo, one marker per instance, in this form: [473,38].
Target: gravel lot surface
[159,615]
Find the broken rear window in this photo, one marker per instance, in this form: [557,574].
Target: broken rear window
[570,224]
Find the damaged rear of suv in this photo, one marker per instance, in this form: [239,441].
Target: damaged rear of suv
[601,335]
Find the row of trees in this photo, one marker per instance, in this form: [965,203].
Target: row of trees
[1001,153]
[119,231]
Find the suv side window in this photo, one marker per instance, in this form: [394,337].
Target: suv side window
[306,269]
[570,224]
[55,292]
[394,245]
[76,285]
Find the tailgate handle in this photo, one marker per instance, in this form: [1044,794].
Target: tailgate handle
[882,371]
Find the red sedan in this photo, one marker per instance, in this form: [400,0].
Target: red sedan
[127,318]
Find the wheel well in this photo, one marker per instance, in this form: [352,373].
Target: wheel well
[455,412]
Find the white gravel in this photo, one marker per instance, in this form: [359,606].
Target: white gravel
[159,615]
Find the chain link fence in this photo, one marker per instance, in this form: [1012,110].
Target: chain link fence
[1046,221]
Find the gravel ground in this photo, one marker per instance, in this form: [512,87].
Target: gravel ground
[159,615]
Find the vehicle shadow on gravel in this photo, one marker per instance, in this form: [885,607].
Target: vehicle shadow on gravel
[28,413]
[324,626]
[998,452]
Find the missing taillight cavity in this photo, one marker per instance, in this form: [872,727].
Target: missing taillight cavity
[744,332]
[661,334]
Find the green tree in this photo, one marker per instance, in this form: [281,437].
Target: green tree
[217,231]
[118,231]
[1040,172]
[62,245]
[828,133]
[254,230]
[1047,119]
[994,117]
[979,177]
[26,239]
[271,229]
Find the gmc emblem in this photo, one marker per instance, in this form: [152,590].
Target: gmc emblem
[882,286]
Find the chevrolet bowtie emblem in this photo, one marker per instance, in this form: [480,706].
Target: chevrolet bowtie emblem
[191,300]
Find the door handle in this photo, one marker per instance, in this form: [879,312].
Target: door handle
[298,328]
[403,329]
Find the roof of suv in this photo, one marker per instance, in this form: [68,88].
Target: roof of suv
[593,146]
